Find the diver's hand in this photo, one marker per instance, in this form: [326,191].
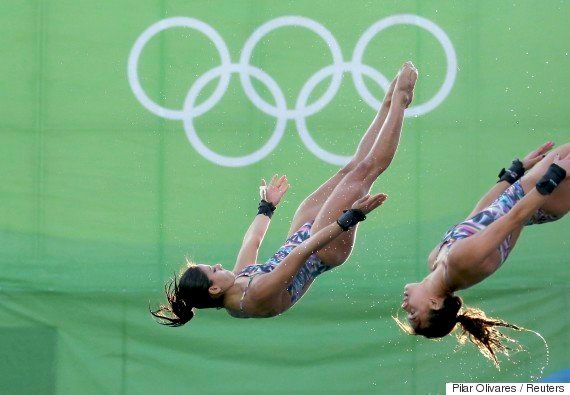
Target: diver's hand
[369,202]
[537,155]
[273,192]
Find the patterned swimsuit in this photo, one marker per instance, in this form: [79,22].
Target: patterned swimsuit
[304,277]
[487,216]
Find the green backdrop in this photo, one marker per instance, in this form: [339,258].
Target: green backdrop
[101,199]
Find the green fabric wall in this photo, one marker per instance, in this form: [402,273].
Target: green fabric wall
[101,199]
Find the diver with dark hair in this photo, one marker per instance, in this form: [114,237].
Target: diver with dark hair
[321,235]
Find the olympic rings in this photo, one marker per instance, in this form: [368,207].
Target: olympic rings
[280,111]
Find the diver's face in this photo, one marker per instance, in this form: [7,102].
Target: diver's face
[221,278]
[416,303]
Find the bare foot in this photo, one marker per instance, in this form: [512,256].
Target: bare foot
[404,89]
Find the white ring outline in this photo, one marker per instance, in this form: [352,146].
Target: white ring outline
[234,161]
[287,21]
[407,19]
[153,30]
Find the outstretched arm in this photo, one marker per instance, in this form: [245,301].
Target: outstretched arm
[282,276]
[253,238]
[251,242]
[474,249]
[528,162]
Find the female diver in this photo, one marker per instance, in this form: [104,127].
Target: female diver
[317,241]
[474,249]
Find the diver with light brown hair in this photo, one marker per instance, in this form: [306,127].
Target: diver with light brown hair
[474,249]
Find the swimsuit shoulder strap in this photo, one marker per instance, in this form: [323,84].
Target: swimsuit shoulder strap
[241,302]
[447,243]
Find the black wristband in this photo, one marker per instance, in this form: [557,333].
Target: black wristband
[551,179]
[513,173]
[349,218]
[265,208]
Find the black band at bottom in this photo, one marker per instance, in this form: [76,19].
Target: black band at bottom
[551,179]
[349,218]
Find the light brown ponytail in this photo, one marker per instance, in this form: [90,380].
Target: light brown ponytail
[474,326]
[484,333]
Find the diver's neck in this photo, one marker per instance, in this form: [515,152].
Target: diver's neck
[435,283]
[232,296]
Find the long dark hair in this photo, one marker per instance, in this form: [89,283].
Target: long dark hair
[184,295]
[475,327]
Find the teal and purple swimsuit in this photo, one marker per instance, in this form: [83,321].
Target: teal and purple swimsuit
[304,277]
[487,216]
